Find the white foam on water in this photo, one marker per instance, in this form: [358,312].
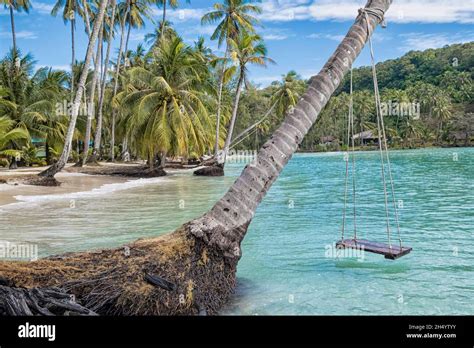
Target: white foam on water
[104,189]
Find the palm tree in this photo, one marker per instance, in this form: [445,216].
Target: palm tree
[247,49]
[287,92]
[208,247]
[95,82]
[59,165]
[100,107]
[442,110]
[70,9]
[139,11]
[153,38]
[173,4]
[234,17]
[32,102]
[109,22]
[224,226]
[15,5]
[9,135]
[166,112]
[134,12]
[137,57]
[364,107]
[124,18]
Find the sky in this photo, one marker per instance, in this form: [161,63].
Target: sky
[300,34]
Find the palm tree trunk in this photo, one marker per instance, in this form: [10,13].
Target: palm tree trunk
[219,101]
[162,160]
[90,108]
[73,58]
[128,39]
[87,20]
[117,72]
[163,23]
[98,128]
[234,114]
[225,225]
[12,20]
[47,152]
[59,165]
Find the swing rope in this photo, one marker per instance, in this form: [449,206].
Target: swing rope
[350,135]
[382,142]
[382,138]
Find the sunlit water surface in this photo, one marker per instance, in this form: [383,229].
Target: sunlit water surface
[285,268]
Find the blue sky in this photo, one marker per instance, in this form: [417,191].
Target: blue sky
[300,34]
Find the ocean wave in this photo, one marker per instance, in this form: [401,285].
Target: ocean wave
[102,190]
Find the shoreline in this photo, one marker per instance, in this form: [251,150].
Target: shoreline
[369,148]
[71,183]
[13,190]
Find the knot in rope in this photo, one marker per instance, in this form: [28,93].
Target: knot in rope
[378,13]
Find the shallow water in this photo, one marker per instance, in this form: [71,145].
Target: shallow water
[285,268]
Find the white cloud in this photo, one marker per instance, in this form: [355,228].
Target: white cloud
[137,36]
[333,37]
[402,11]
[276,34]
[266,80]
[423,41]
[23,34]
[377,37]
[42,7]
[275,37]
[181,15]
[56,67]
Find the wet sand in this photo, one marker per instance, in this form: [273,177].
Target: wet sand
[70,183]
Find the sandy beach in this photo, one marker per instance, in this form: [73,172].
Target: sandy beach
[70,183]
[72,180]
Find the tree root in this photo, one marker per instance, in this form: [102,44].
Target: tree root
[192,278]
[36,301]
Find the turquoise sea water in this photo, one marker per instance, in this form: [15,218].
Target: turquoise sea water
[284,268]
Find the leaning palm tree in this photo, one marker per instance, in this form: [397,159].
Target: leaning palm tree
[15,5]
[247,49]
[193,269]
[59,165]
[234,17]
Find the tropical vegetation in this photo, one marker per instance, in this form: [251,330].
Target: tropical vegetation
[169,99]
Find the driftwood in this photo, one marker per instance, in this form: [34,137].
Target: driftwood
[39,301]
[131,171]
[158,281]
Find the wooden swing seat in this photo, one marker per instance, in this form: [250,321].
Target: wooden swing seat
[391,253]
